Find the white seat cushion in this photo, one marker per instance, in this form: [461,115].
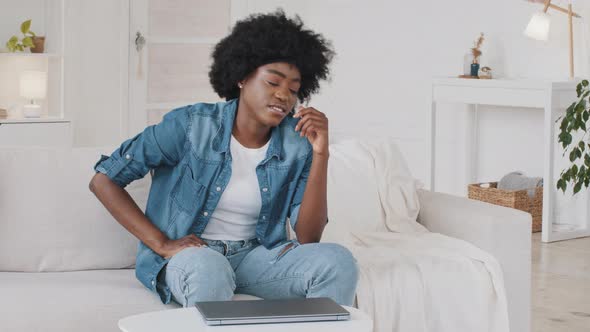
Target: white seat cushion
[74,301]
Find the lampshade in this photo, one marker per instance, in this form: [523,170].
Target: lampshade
[538,27]
[33,84]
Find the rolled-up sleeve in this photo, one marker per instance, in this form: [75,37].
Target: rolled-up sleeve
[299,191]
[157,145]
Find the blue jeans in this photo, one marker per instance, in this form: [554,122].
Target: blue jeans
[215,272]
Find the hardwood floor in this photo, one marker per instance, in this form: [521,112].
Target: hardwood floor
[561,285]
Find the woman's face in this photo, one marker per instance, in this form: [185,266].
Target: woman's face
[270,92]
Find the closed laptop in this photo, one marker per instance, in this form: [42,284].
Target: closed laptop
[271,311]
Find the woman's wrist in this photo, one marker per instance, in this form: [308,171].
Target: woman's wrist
[321,155]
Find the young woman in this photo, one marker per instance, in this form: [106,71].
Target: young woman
[227,177]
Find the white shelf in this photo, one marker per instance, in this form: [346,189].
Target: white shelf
[48,119]
[33,55]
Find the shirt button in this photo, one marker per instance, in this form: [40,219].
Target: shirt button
[263,217]
[128,156]
[265,189]
[153,282]
[218,188]
[205,213]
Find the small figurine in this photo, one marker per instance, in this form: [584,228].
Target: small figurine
[485,73]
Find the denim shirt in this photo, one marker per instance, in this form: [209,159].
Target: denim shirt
[191,161]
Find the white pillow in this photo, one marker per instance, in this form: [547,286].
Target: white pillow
[370,189]
[398,189]
[49,219]
[353,200]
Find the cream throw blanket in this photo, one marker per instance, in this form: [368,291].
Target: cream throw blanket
[412,280]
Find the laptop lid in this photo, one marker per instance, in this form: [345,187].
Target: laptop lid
[271,311]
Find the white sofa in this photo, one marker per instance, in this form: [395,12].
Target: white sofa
[66,265]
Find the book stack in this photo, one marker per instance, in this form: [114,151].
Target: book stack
[3,113]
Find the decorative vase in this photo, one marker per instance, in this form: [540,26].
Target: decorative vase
[467,61]
[39,42]
[474,69]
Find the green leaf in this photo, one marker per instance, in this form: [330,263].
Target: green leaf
[587,160]
[585,116]
[11,44]
[581,105]
[582,172]
[28,42]
[574,171]
[20,47]
[577,187]
[582,146]
[573,155]
[578,88]
[560,184]
[578,153]
[26,25]
[567,138]
[585,82]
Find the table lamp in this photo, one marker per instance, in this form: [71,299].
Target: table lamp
[538,27]
[33,86]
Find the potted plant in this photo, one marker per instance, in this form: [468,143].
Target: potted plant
[29,40]
[574,123]
[476,52]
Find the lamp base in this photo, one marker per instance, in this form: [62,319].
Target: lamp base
[32,111]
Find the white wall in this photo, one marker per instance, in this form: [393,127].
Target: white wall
[387,53]
[96,70]
[389,50]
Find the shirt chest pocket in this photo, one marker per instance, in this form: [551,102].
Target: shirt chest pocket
[188,195]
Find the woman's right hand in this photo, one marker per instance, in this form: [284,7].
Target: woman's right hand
[170,247]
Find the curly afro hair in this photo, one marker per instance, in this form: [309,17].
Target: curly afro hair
[264,38]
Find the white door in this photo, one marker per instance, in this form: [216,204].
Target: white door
[170,68]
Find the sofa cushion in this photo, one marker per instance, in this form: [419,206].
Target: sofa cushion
[50,221]
[370,189]
[74,301]
[353,200]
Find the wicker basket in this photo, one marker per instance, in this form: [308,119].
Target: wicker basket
[519,200]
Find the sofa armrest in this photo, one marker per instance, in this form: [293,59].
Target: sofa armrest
[503,232]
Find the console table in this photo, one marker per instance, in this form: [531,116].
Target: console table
[550,97]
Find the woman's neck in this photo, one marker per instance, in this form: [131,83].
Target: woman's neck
[249,132]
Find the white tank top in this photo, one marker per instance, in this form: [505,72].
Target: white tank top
[237,212]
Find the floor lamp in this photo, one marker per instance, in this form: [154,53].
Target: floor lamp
[538,27]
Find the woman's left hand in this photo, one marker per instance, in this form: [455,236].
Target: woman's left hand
[313,124]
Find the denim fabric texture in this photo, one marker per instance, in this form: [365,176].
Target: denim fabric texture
[188,152]
[216,272]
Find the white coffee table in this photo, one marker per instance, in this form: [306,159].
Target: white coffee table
[190,320]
